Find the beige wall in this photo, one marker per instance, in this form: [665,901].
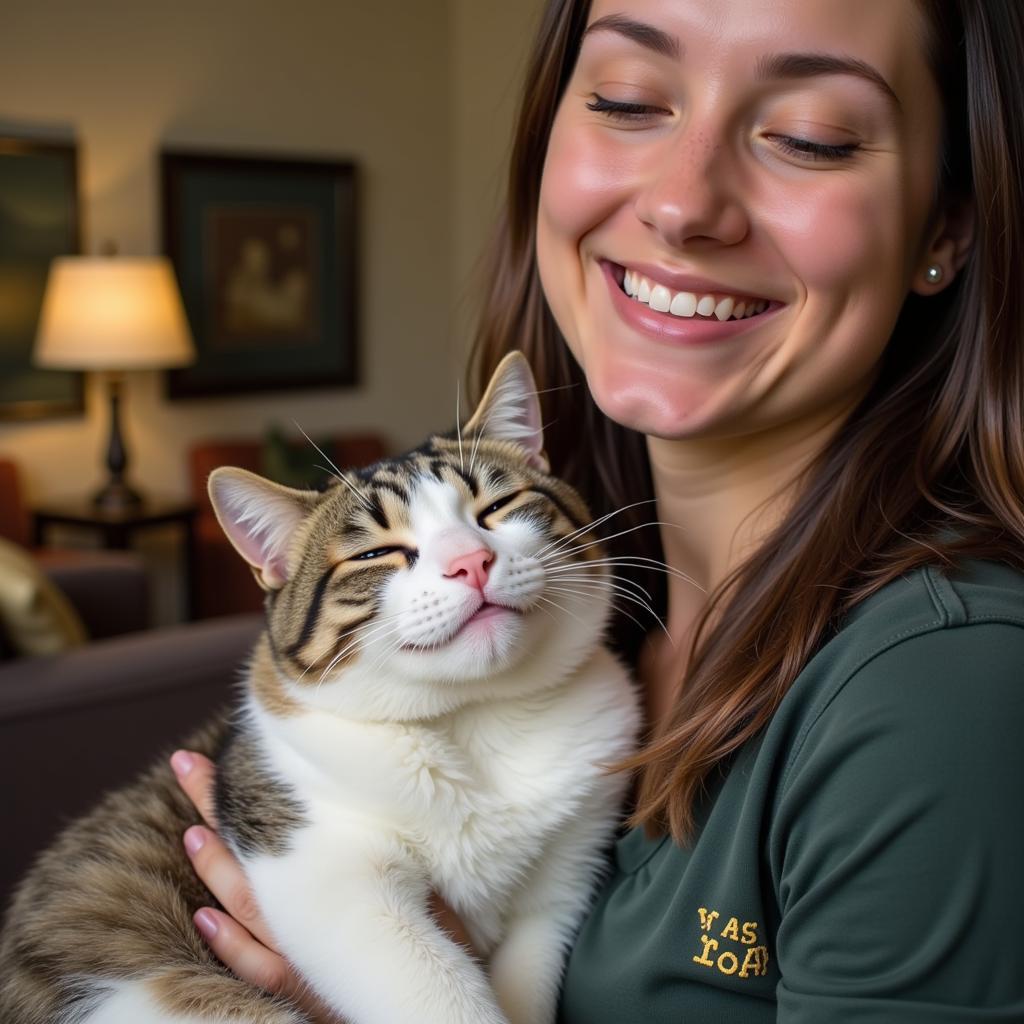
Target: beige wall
[491,39]
[419,92]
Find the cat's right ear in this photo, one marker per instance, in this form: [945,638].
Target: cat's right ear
[260,519]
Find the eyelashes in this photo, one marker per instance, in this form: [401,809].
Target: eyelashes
[616,110]
[496,506]
[816,150]
[366,556]
[622,111]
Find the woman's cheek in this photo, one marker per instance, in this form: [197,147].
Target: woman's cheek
[835,239]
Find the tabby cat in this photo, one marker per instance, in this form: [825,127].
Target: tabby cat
[430,706]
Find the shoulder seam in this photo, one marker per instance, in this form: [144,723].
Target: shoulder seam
[944,595]
[886,645]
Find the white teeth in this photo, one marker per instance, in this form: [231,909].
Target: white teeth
[724,309]
[661,298]
[684,304]
[687,304]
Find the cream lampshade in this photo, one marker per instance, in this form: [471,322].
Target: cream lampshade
[113,314]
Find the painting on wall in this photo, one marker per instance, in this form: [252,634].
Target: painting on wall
[38,220]
[265,253]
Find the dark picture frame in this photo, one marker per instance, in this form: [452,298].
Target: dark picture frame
[265,251]
[39,219]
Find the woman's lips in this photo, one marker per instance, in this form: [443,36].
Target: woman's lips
[665,326]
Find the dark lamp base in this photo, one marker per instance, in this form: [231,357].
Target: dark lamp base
[115,495]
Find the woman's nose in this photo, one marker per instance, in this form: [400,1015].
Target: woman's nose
[689,191]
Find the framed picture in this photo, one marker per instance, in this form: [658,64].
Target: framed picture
[265,253]
[39,220]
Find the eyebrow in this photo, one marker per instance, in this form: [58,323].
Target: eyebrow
[775,65]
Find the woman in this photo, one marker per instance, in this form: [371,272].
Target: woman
[826,822]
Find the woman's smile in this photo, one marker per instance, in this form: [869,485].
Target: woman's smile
[682,317]
[675,145]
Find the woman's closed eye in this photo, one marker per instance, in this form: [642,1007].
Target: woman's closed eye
[623,111]
[816,150]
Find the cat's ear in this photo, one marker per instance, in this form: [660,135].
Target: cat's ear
[510,411]
[260,519]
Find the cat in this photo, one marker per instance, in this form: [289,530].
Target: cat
[431,706]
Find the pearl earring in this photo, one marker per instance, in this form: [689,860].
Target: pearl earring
[933,274]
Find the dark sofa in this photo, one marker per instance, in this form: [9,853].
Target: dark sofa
[76,724]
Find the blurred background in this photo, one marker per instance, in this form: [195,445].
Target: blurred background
[418,95]
[217,220]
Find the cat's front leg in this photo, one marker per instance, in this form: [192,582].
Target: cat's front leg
[368,945]
[527,966]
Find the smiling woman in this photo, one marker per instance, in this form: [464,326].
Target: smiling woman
[743,254]
[844,468]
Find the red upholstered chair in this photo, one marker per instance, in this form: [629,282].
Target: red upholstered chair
[224,583]
[13,513]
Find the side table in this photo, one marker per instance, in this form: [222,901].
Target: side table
[117,527]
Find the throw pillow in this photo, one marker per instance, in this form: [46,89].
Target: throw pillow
[35,617]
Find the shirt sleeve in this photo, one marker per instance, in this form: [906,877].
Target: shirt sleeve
[898,846]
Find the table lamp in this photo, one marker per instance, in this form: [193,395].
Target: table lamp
[113,314]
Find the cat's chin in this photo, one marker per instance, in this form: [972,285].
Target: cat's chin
[492,641]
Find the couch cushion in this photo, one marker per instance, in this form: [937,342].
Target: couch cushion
[35,617]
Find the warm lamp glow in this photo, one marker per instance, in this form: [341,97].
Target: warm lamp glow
[115,314]
[112,313]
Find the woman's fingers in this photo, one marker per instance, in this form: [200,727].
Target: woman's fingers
[255,963]
[221,873]
[195,776]
[250,960]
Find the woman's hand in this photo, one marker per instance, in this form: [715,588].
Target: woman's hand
[240,938]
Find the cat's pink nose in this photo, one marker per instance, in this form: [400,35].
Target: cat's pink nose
[472,569]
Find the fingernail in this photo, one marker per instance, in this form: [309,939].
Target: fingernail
[195,837]
[206,922]
[182,762]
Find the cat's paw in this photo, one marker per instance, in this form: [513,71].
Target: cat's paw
[525,983]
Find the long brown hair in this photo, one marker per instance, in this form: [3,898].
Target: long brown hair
[929,468]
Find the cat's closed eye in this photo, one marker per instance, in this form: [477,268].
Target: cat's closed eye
[379,553]
[496,506]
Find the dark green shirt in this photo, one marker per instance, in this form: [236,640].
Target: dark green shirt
[862,859]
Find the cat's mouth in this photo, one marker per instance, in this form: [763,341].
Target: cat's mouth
[486,611]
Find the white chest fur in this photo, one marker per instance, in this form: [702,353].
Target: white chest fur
[497,806]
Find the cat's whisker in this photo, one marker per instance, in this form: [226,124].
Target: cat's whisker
[592,525]
[621,611]
[619,588]
[389,651]
[562,608]
[628,561]
[386,626]
[458,423]
[338,475]
[566,573]
[604,540]
[336,640]
[625,595]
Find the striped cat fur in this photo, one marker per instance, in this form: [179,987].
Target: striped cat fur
[430,707]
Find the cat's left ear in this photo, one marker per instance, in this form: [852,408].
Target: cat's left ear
[510,411]
[260,519]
